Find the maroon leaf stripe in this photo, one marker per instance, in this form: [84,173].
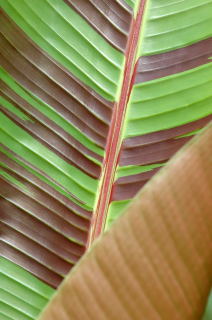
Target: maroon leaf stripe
[151,148]
[163,135]
[115,17]
[37,116]
[33,215]
[61,205]
[54,84]
[26,262]
[48,138]
[179,60]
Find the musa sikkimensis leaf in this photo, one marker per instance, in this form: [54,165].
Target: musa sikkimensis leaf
[155,262]
[96,96]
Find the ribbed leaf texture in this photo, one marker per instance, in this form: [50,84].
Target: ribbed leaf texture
[164,269]
[96,96]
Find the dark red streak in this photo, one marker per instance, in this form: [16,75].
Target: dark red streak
[113,142]
[179,60]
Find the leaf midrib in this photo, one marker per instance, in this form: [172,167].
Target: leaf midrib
[115,133]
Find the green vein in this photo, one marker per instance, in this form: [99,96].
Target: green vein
[71,19]
[169,119]
[116,209]
[4,317]
[24,278]
[132,170]
[49,112]
[10,178]
[18,304]
[74,180]
[174,83]
[175,25]
[131,3]
[12,312]
[9,106]
[169,102]
[46,180]
[192,133]
[60,50]
[23,292]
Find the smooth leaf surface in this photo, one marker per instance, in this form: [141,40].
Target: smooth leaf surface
[22,296]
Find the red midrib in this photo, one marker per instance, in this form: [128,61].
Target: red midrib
[114,136]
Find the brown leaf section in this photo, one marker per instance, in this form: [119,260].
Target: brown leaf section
[179,60]
[155,263]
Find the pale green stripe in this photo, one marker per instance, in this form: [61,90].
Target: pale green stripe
[22,276]
[170,119]
[116,209]
[23,292]
[74,180]
[172,25]
[132,3]
[4,317]
[49,112]
[18,304]
[58,42]
[9,106]
[109,59]
[41,154]
[131,170]
[44,179]
[169,102]
[192,133]
[11,178]
[12,312]
[173,84]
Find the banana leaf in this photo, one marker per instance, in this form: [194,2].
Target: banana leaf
[96,96]
[157,265]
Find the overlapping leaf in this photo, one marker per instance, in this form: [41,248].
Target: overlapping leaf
[163,270]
